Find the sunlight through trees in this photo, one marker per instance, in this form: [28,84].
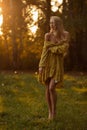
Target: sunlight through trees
[24,23]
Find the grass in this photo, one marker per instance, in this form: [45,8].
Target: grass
[23,105]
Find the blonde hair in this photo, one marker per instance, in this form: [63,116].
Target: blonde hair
[59,25]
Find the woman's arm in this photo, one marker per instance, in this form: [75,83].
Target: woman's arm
[61,47]
[42,62]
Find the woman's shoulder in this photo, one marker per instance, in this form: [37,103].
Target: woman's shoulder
[66,34]
[47,36]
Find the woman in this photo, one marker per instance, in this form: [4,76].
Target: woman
[51,62]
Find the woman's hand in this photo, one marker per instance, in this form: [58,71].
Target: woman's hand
[40,70]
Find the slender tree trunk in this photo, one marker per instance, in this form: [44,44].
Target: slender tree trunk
[14,44]
[7,51]
[47,14]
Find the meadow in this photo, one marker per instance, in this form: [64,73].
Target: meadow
[23,105]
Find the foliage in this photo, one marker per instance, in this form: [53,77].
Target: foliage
[19,45]
[75,19]
[13,28]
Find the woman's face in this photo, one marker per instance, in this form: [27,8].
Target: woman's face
[52,24]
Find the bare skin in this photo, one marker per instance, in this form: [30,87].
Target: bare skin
[51,96]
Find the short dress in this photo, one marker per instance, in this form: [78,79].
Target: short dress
[52,59]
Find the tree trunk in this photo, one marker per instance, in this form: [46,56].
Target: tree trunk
[47,14]
[14,44]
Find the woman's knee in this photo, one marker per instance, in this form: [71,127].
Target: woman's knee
[52,85]
[51,88]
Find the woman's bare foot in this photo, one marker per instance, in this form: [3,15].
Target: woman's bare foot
[50,116]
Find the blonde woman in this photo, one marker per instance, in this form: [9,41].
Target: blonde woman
[55,47]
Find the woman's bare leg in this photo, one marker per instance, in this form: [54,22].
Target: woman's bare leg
[48,101]
[53,97]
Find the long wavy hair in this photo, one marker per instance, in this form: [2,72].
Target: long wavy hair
[59,26]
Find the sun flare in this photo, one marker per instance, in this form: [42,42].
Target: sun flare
[60,1]
[34,12]
[1,17]
[55,4]
[35,15]
[34,29]
[34,26]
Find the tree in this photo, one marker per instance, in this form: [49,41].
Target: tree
[77,10]
[22,45]
[13,27]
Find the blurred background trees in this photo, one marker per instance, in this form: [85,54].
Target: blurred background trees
[23,24]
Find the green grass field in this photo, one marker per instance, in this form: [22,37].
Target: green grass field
[23,105]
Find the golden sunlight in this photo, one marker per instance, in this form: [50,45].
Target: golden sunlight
[1,17]
[35,14]
[55,4]
[34,26]
[34,11]
[34,29]
[1,32]
[60,1]
[54,8]
[1,20]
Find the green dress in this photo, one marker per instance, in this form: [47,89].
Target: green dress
[52,58]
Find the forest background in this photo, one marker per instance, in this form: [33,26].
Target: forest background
[23,24]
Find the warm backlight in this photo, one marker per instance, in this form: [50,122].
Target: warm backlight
[54,4]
